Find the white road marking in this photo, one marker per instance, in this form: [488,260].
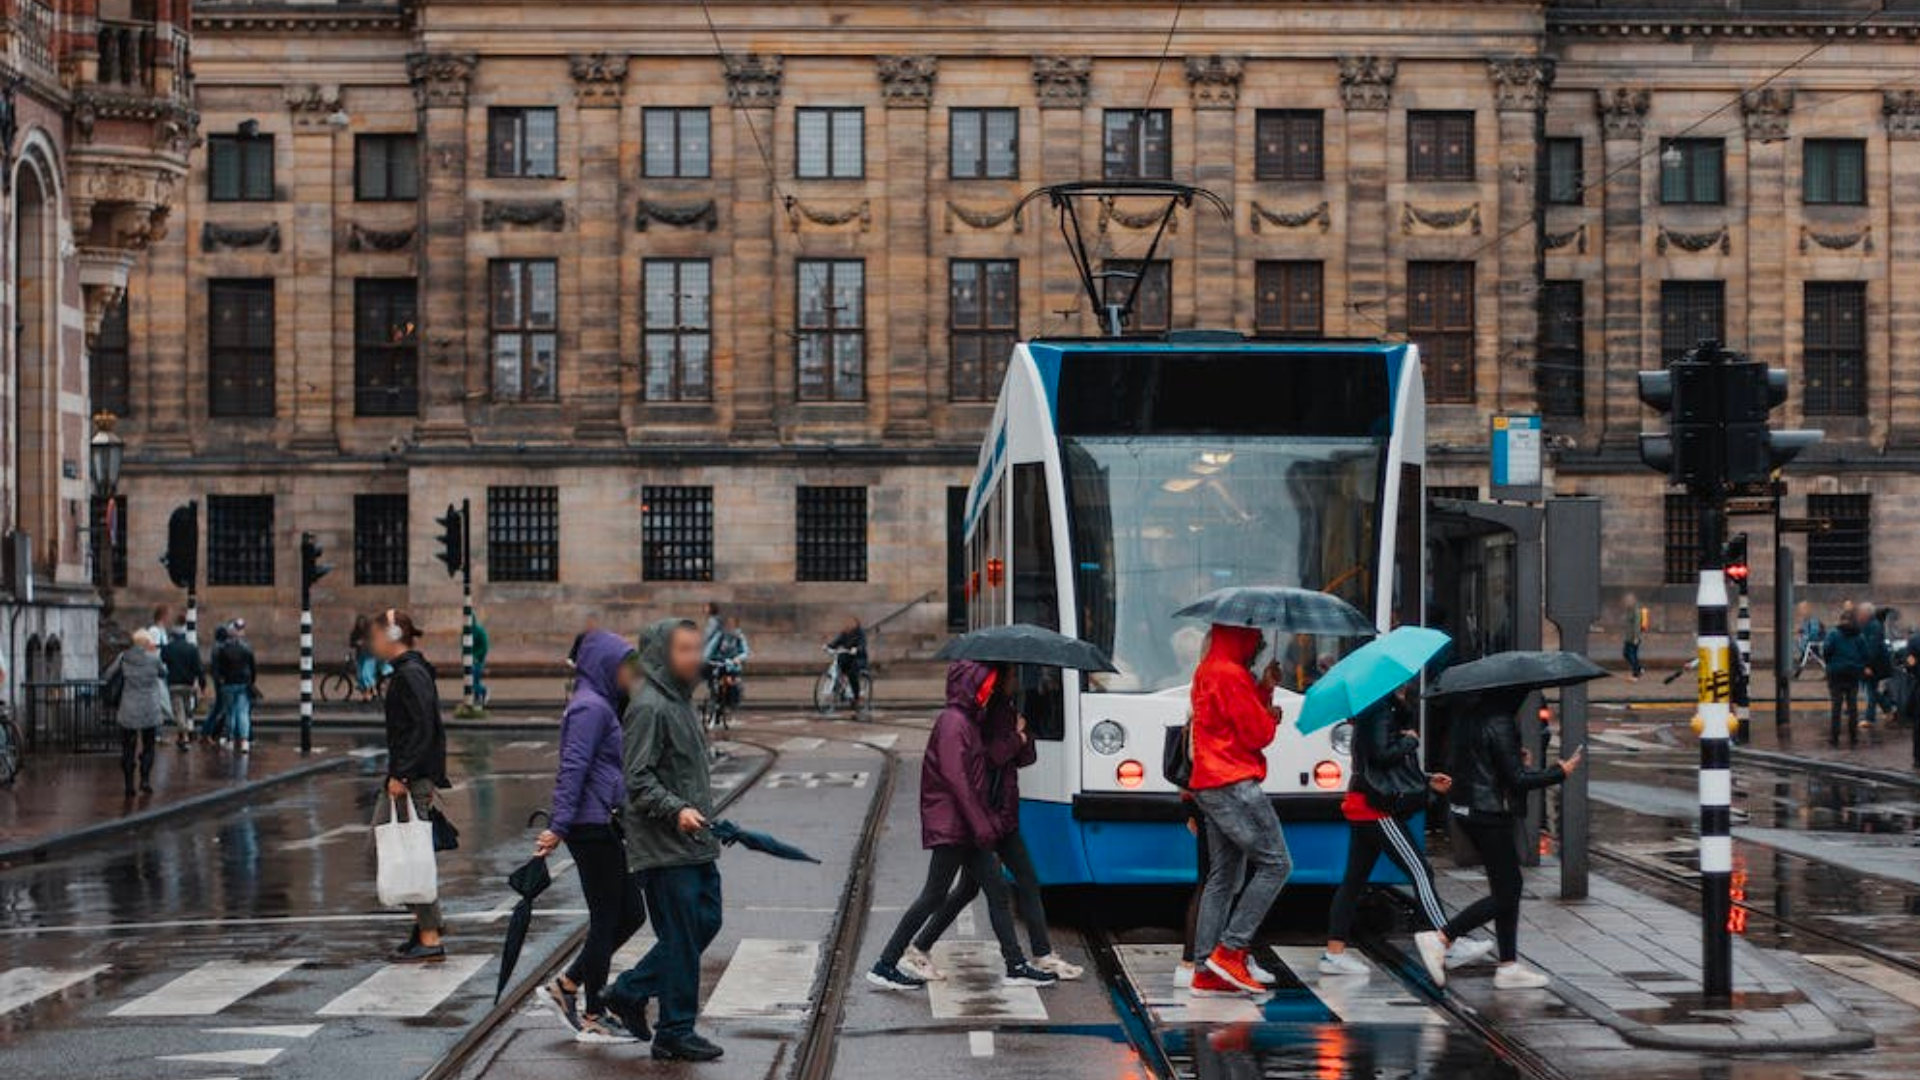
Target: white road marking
[23,986]
[527,744]
[974,989]
[980,1043]
[404,990]
[629,954]
[208,988]
[367,752]
[1148,968]
[1377,999]
[883,742]
[801,742]
[965,925]
[766,980]
[854,779]
[278,920]
[261,1056]
[1895,984]
[325,838]
[269,1031]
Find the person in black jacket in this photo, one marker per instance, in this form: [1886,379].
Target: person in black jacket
[186,679]
[416,755]
[1491,778]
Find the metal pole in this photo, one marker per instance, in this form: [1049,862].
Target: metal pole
[469,692]
[1716,778]
[306,648]
[1574,808]
[1743,669]
[1784,633]
[193,617]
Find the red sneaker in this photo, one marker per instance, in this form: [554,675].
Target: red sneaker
[1231,966]
[1206,985]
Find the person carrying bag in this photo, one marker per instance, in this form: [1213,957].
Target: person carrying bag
[416,768]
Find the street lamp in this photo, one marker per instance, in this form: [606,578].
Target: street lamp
[106,453]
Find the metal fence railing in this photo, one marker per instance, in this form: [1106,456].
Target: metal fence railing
[66,715]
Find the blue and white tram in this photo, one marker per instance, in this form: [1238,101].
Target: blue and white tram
[1123,478]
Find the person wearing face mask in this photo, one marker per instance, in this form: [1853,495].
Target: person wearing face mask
[416,755]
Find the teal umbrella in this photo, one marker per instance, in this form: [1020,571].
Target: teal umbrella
[1367,675]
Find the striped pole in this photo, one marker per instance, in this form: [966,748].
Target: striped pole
[470,692]
[1743,671]
[1716,777]
[193,618]
[306,675]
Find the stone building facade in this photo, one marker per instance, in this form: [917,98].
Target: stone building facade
[689,324]
[95,125]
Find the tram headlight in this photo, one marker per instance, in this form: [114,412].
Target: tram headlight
[1341,738]
[1107,738]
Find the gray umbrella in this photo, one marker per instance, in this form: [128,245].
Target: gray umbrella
[1283,608]
[1515,671]
[1023,643]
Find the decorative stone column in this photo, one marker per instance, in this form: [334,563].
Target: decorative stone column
[1060,83]
[1767,112]
[1623,118]
[1520,88]
[1901,109]
[440,88]
[312,388]
[753,82]
[1366,90]
[1213,87]
[906,85]
[599,82]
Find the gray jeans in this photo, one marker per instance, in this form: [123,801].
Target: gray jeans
[1242,829]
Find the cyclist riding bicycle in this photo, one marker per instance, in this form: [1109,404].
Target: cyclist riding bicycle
[849,647]
[726,656]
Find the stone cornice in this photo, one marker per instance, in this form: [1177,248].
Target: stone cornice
[303,19]
[1642,22]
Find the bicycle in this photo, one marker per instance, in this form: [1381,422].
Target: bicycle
[343,683]
[834,691]
[11,747]
[723,697]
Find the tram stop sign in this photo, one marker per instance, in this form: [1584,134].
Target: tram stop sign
[1516,455]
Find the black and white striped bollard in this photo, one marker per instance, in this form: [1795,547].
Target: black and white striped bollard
[1716,775]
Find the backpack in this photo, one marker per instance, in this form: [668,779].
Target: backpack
[114,686]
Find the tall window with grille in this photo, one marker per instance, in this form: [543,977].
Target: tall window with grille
[677,306]
[1153,303]
[983,320]
[240,168]
[111,359]
[109,545]
[676,533]
[523,313]
[1440,321]
[1137,144]
[1289,144]
[1439,146]
[240,347]
[830,534]
[1683,539]
[1693,171]
[678,142]
[1843,554]
[386,168]
[239,540]
[386,347]
[1835,343]
[1691,312]
[523,533]
[830,143]
[523,142]
[1289,298]
[983,144]
[831,335]
[1561,373]
[380,538]
[1834,172]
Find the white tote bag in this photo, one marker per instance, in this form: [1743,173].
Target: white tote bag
[405,846]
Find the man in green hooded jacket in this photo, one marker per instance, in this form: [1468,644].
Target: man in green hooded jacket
[669,844]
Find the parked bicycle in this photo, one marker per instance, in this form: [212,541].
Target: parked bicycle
[836,690]
[343,683]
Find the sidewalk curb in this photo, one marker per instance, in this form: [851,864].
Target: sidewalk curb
[1843,768]
[1850,1034]
[38,850]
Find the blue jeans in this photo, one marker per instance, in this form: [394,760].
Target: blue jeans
[1242,831]
[479,682]
[684,902]
[1630,652]
[234,709]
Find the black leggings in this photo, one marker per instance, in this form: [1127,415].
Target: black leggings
[615,909]
[945,863]
[1843,695]
[141,740]
[1026,893]
[1197,821]
[1366,842]
[1500,856]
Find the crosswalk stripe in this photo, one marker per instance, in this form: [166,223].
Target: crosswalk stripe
[801,742]
[883,742]
[974,989]
[269,1031]
[208,988]
[261,1056]
[21,987]
[1377,999]
[766,980]
[328,837]
[404,990]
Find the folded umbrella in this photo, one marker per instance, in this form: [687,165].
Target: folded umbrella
[1283,608]
[530,880]
[1365,676]
[1024,643]
[730,834]
[1515,671]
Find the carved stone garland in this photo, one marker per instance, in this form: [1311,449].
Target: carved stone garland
[1861,238]
[1297,219]
[860,212]
[214,237]
[678,215]
[548,213]
[1439,220]
[1576,236]
[361,238]
[1694,242]
[985,219]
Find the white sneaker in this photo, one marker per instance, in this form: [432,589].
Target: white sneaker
[1466,952]
[1053,963]
[1260,975]
[1183,974]
[920,965]
[246,747]
[1517,976]
[1433,954]
[1342,963]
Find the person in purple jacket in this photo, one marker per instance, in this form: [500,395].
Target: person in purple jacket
[961,825]
[590,785]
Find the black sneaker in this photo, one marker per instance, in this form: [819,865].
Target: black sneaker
[565,1003]
[631,1015]
[415,953]
[688,1047]
[1025,974]
[889,977]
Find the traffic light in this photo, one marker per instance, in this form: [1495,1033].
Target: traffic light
[1688,451]
[182,557]
[311,568]
[1734,557]
[1754,450]
[453,553]
[1718,437]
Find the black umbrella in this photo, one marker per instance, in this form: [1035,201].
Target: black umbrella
[1515,671]
[728,833]
[1279,607]
[530,880]
[1023,643]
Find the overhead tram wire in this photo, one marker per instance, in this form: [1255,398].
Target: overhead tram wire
[746,114]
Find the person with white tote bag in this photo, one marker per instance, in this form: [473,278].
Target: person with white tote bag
[416,767]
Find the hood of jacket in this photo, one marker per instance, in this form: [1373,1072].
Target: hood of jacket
[656,645]
[598,662]
[1238,644]
[964,680]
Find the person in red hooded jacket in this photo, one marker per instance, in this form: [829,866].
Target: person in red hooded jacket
[1234,720]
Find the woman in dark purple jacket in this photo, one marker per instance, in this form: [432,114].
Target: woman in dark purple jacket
[590,784]
[960,825]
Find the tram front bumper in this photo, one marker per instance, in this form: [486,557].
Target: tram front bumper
[1169,806]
